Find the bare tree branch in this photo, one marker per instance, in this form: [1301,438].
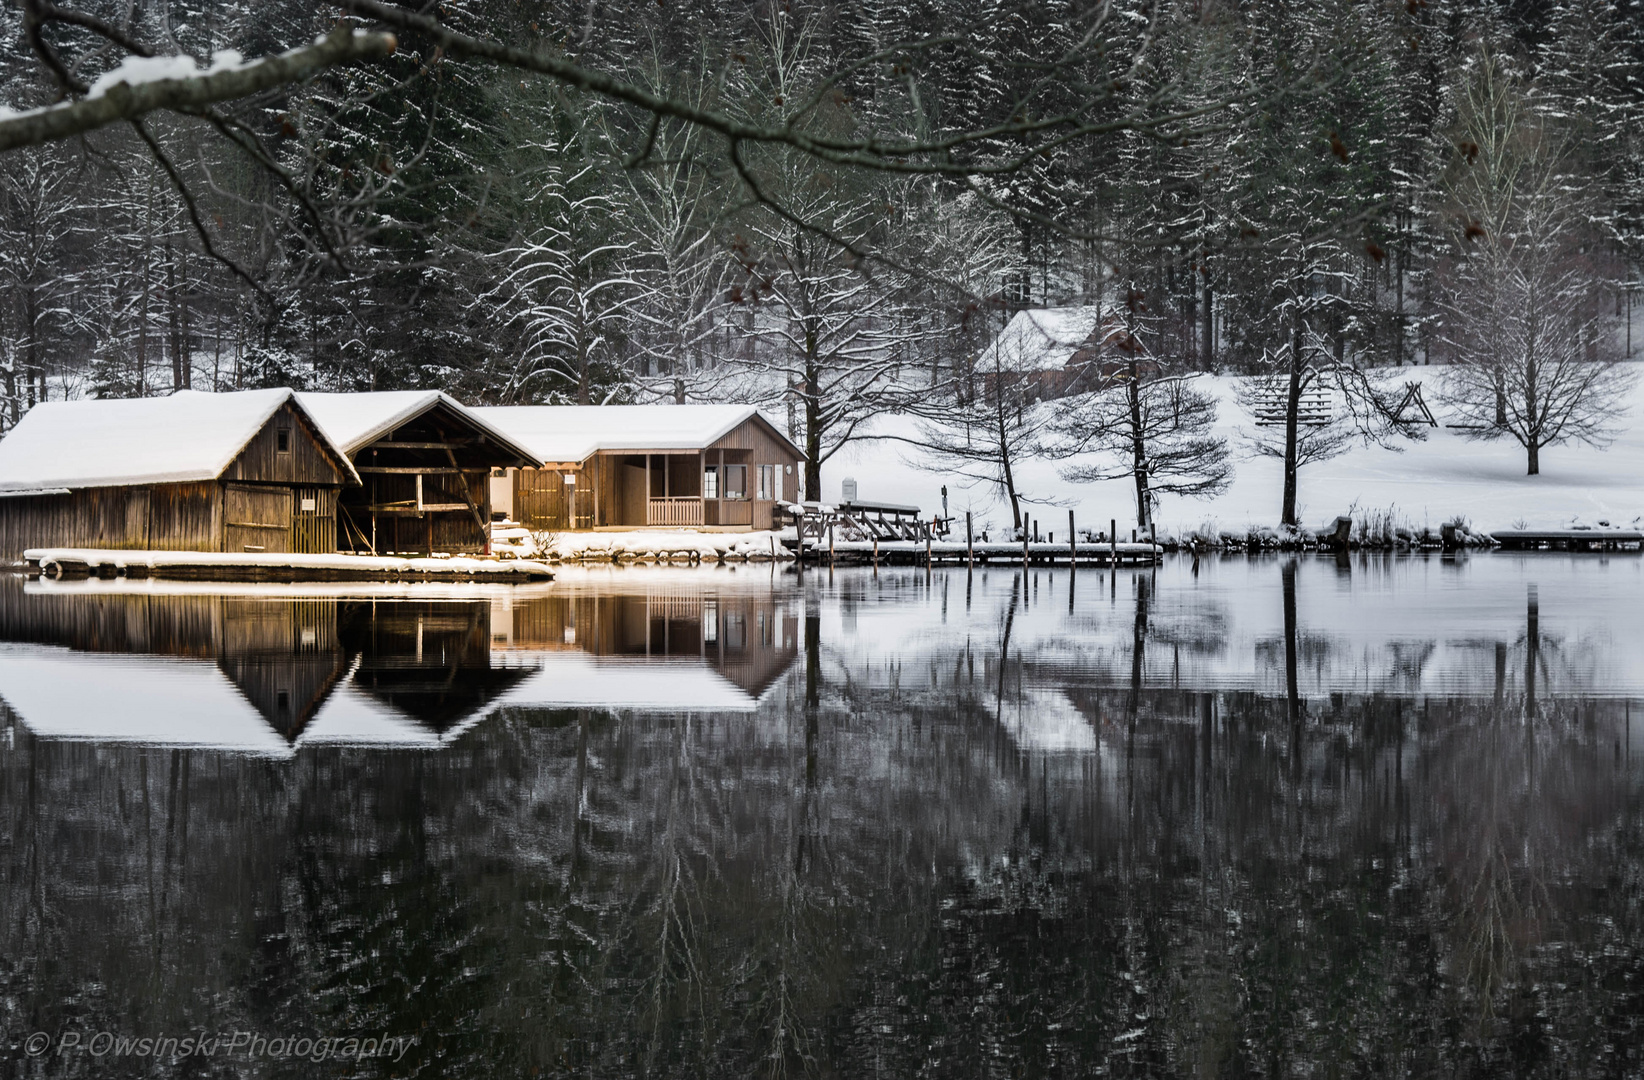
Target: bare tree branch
[124,101]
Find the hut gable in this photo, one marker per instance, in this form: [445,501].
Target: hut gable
[355,421]
[191,436]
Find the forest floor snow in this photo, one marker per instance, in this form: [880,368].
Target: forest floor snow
[1419,483]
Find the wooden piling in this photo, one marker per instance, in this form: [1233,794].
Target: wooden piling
[970,544]
[1113,542]
[1072,543]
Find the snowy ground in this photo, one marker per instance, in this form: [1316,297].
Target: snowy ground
[1427,484]
[511,541]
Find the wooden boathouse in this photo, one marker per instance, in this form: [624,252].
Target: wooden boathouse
[423,459]
[239,472]
[723,467]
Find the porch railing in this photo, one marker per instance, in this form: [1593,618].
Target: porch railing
[675,511]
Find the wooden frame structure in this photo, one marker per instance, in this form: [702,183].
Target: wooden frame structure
[424,460]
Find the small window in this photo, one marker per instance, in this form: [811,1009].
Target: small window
[765,482]
[282,440]
[710,482]
[736,481]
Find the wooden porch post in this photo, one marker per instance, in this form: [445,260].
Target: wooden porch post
[647,487]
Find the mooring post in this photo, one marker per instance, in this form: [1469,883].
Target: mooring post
[1024,547]
[970,544]
[830,545]
[1153,538]
[927,551]
[876,553]
[1072,542]
[1113,542]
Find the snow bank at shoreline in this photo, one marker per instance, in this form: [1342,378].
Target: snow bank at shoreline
[1423,485]
[512,541]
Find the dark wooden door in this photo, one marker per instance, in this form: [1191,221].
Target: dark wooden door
[257,519]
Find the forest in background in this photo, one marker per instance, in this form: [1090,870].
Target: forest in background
[1373,183]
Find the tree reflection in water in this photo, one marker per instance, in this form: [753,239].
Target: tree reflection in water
[1191,826]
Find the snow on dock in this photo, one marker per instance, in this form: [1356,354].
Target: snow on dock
[269,566]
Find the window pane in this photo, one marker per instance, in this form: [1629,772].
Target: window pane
[710,482]
[736,481]
[765,482]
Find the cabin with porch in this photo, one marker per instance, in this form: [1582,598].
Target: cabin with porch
[235,472]
[722,467]
[423,459]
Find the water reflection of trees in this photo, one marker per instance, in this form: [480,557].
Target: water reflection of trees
[874,874]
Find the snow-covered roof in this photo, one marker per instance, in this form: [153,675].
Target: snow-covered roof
[573,433]
[354,421]
[1040,339]
[150,700]
[190,436]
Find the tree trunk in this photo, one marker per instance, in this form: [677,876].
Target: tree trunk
[813,434]
[31,327]
[1004,461]
[174,320]
[1138,450]
[1292,411]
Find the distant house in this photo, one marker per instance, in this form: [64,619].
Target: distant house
[1055,352]
[423,458]
[633,466]
[247,471]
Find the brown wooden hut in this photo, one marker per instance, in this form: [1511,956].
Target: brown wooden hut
[423,458]
[637,466]
[247,471]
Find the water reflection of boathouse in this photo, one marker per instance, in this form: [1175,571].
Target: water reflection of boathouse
[748,638]
[264,674]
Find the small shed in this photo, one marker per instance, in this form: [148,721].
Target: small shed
[638,466]
[423,458]
[245,471]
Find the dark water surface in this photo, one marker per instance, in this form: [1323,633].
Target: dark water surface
[1247,818]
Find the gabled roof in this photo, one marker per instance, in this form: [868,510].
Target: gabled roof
[573,433]
[1041,339]
[355,421]
[190,436]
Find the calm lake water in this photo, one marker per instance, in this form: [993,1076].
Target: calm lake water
[1250,817]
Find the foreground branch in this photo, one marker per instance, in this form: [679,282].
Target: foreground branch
[124,101]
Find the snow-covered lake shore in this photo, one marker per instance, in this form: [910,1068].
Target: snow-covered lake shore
[1422,484]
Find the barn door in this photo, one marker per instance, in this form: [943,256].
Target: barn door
[314,522]
[257,519]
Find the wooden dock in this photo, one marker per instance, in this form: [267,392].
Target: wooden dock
[237,566]
[1568,539]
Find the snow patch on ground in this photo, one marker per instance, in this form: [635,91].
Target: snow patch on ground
[510,540]
[1426,483]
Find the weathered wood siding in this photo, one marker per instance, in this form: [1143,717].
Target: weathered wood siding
[304,461]
[160,517]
